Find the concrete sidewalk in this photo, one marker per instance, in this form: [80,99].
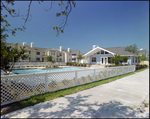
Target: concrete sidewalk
[118,99]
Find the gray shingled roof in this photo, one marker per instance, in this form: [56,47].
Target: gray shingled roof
[121,51]
[72,51]
[141,51]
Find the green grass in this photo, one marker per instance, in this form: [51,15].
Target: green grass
[49,96]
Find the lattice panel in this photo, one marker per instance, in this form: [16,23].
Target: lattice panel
[85,76]
[111,72]
[125,70]
[62,80]
[119,70]
[18,87]
[100,73]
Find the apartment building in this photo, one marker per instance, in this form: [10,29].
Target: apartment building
[39,54]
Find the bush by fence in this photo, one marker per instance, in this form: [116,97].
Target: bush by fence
[140,67]
[78,64]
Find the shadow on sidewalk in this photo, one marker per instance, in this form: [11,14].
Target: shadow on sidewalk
[78,107]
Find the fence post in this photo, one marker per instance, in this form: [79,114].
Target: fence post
[122,70]
[116,71]
[94,74]
[107,72]
[46,82]
[128,69]
[76,78]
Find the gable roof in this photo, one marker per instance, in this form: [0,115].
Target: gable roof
[96,50]
[113,50]
[121,51]
[142,51]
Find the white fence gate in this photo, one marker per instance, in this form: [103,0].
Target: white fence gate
[18,87]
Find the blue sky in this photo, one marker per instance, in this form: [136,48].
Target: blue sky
[102,23]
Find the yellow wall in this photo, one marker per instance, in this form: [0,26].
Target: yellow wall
[85,59]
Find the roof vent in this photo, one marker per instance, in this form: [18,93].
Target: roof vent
[94,46]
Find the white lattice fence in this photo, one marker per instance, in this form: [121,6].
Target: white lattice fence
[22,86]
[85,76]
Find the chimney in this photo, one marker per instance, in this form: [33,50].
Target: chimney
[60,48]
[24,43]
[32,44]
[68,49]
[94,46]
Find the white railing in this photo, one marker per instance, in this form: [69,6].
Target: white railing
[22,86]
[29,64]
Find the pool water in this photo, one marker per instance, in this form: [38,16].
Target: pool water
[26,71]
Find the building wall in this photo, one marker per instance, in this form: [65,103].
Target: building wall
[99,58]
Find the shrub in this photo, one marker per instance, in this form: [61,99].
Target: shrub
[53,84]
[65,81]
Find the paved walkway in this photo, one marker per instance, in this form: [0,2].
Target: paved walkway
[120,98]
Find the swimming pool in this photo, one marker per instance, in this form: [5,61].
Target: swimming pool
[26,71]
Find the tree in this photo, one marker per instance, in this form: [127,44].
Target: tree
[142,58]
[66,8]
[124,58]
[132,49]
[9,56]
[79,58]
[116,59]
[50,59]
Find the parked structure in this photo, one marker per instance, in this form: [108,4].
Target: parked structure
[40,54]
[99,55]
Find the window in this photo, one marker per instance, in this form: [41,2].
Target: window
[73,54]
[93,59]
[52,53]
[106,52]
[60,59]
[37,59]
[109,59]
[102,60]
[98,52]
[73,58]
[29,52]
[102,51]
[60,54]
[29,59]
[42,59]
[37,53]
[133,59]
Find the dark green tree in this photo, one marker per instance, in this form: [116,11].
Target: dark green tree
[79,58]
[133,49]
[142,58]
[124,59]
[50,59]
[9,56]
[116,59]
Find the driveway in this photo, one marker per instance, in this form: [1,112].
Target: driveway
[120,98]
